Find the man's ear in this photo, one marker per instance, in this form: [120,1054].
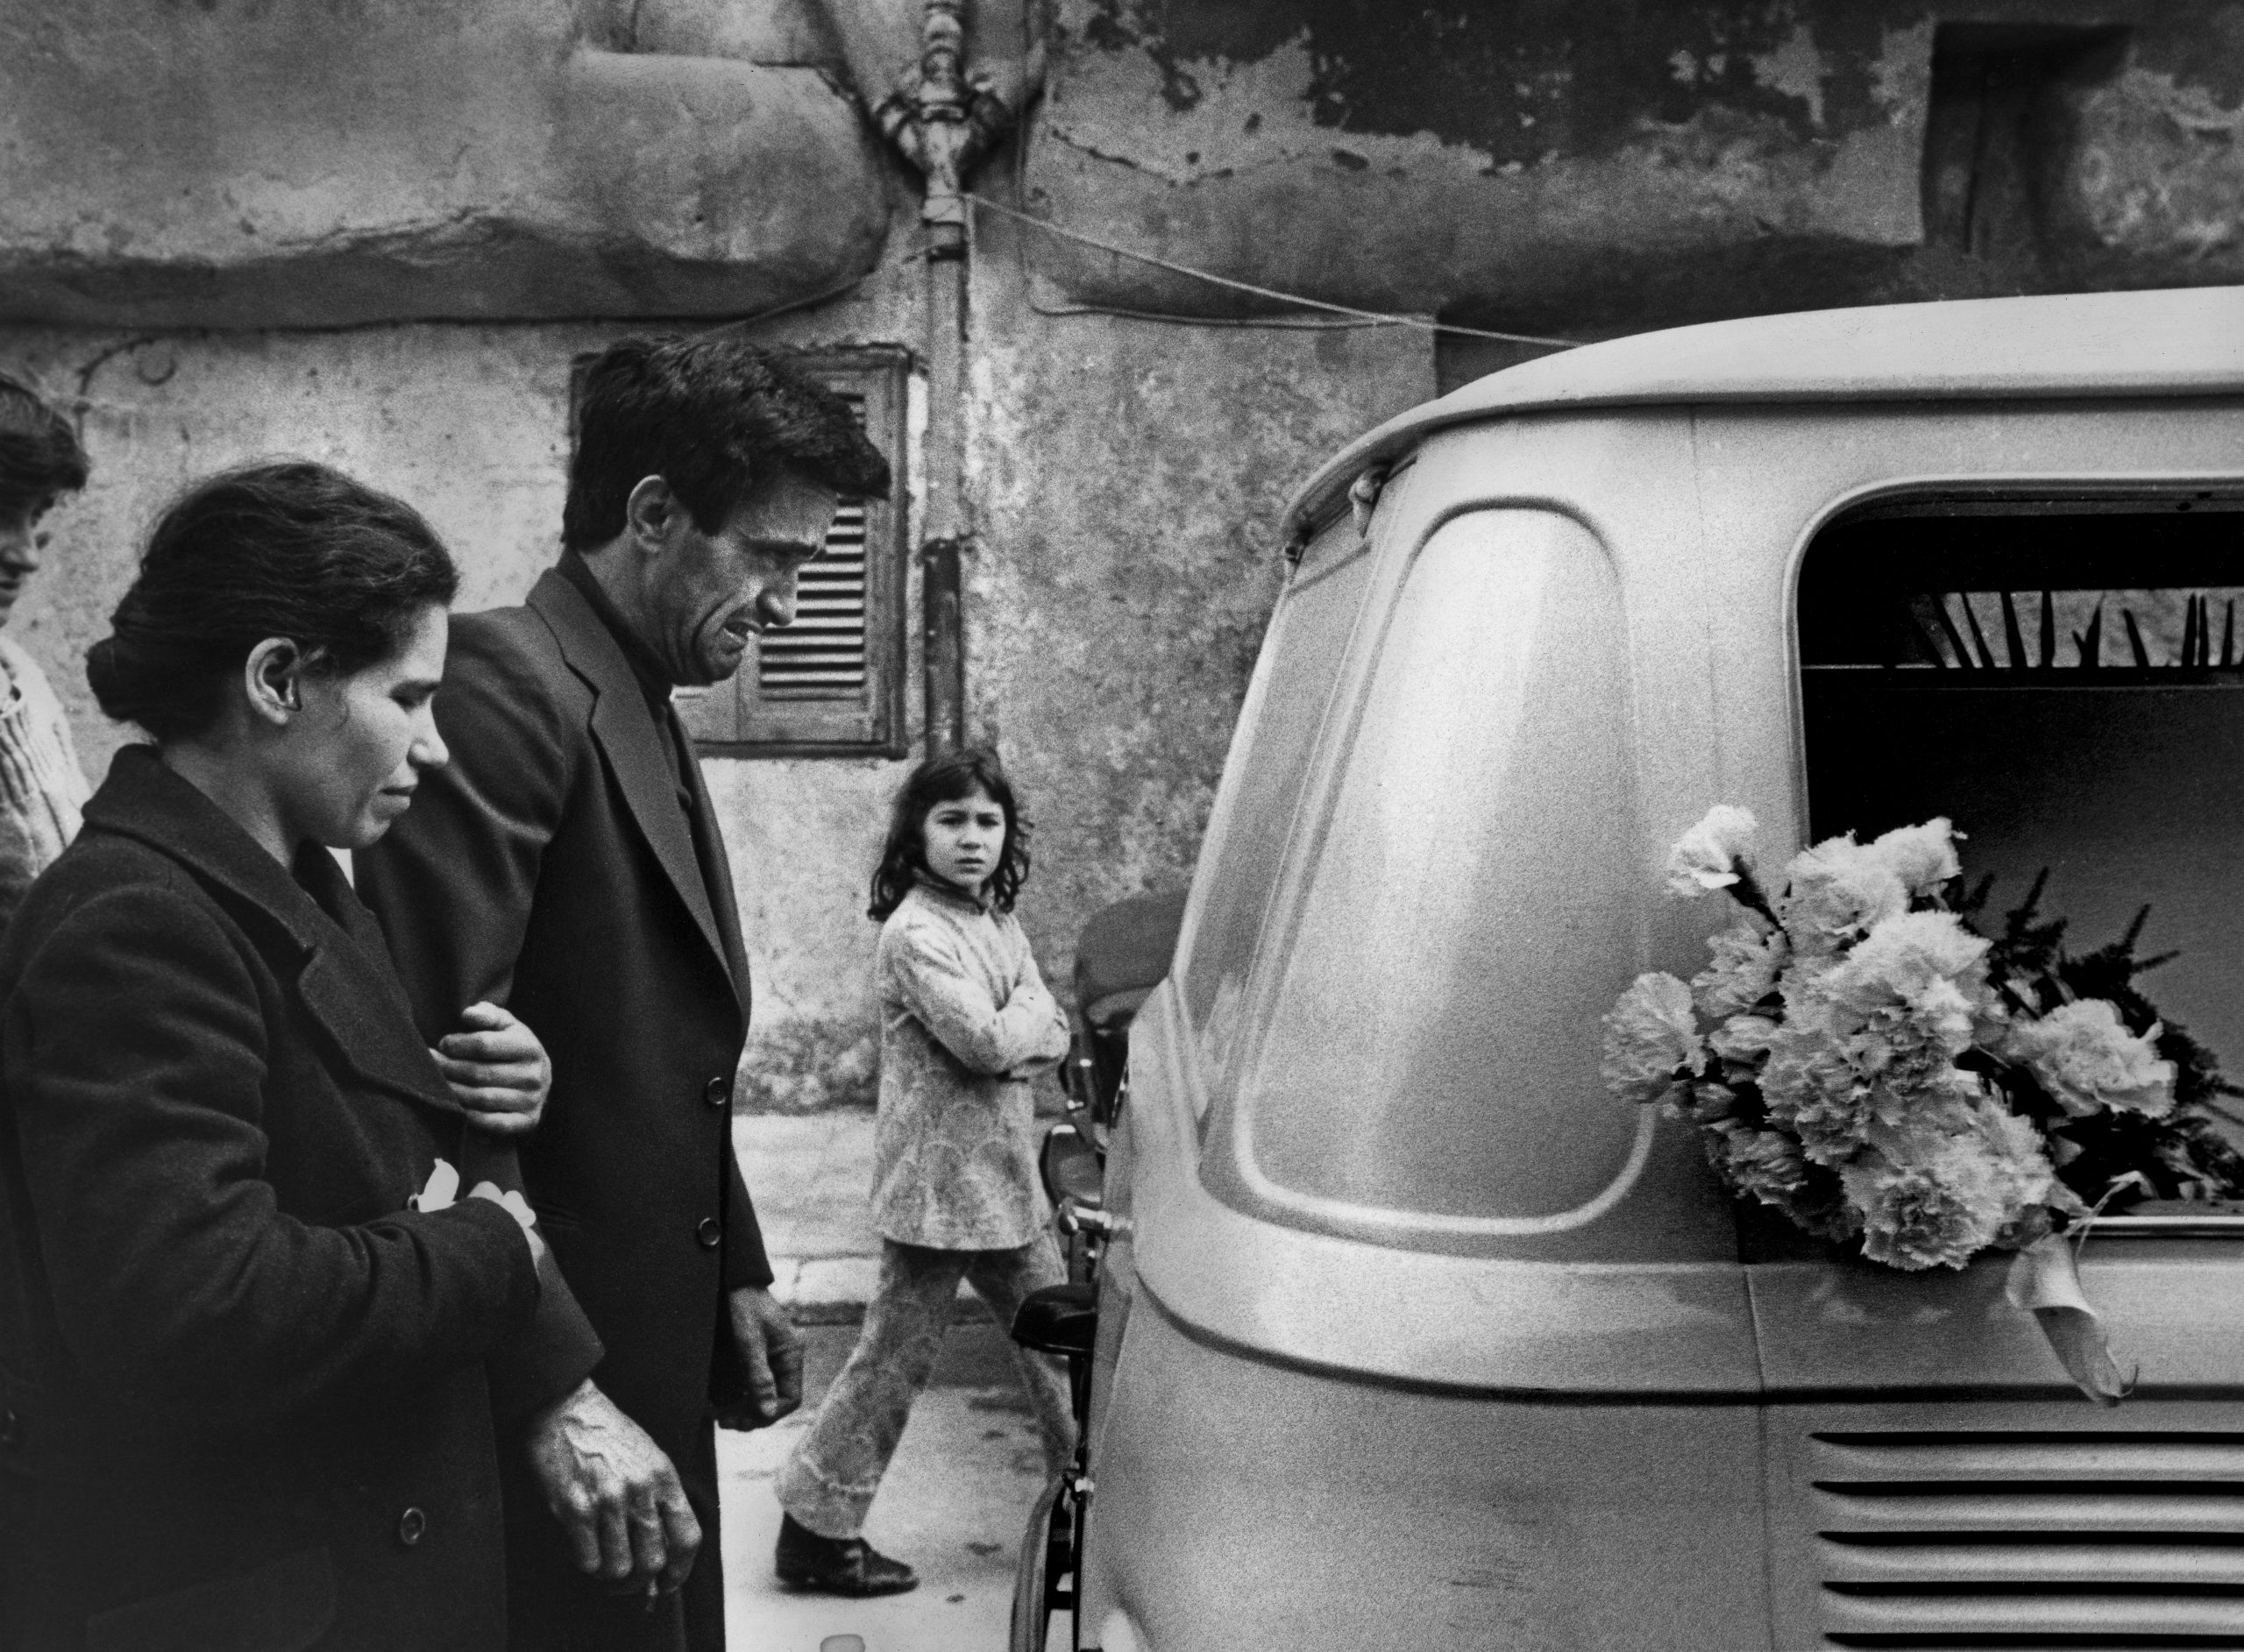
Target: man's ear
[273,678]
[651,514]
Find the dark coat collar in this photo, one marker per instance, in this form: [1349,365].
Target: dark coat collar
[625,726]
[344,971]
[145,800]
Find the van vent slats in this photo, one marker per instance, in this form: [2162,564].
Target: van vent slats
[2088,1539]
[2055,1456]
[2022,1560]
[1960,1617]
[2216,1642]
[2108,1509]
[2187,1508]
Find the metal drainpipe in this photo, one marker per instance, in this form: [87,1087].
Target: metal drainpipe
[941,120]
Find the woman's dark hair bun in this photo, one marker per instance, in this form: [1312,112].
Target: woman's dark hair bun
[168,694]
[282,549]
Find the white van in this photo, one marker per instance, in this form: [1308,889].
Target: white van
[1411,1337]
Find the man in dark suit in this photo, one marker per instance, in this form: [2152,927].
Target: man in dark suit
[568,865]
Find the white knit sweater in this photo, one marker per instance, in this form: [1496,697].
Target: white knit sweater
[41,786]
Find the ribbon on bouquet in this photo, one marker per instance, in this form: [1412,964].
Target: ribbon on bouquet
[2045,1281]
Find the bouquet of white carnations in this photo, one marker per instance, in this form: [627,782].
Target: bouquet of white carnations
[1859,1058]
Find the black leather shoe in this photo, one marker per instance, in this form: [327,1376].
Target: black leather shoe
[836,1565]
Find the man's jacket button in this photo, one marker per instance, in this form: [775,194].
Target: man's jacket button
[710,1231]
[718,1092]
[12,1428]
[412,1525]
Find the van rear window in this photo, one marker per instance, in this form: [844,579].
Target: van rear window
[1264,774]
[2066,683]
[1429,1052]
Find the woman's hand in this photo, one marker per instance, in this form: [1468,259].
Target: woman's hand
[497,1069]
[514,1205]
[442,1192]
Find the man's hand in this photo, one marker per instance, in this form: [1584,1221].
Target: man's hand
[771,1353]
[497,1070]
[615,1494]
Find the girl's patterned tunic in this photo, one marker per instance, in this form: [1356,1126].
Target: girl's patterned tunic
[965,1019]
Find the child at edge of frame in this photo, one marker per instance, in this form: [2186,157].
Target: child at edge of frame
[966,1022]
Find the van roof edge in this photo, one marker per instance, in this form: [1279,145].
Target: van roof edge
[2177,341]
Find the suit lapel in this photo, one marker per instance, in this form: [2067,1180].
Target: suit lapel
[719,872]
[627,735]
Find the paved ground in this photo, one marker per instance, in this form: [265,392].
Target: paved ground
[957,1499]
[809,1177]
[954,1507]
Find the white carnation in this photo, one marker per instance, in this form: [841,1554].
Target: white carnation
[1705,857]
[1652,1041]
[2087,1060]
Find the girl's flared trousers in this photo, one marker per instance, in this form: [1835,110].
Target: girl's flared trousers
[829,1480]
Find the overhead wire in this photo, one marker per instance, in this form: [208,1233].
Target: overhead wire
[1361,316]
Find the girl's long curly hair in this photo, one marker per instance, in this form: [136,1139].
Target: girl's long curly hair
[947,778]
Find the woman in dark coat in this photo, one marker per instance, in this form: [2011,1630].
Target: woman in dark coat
[246,1407]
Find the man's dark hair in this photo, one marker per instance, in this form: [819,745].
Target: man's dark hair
[39,453]
[713,417]
[283,549]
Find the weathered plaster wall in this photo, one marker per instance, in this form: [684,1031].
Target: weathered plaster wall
[1129,478]
[1593,165]
[1131,475]
[1126,480]
[259,163]
[2154,179]
[1609,164]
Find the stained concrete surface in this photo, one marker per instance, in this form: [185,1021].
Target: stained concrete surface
[1609,165]
[954,1507]
[240,164]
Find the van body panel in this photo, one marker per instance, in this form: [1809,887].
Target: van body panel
[1336,1420]
[2186,342]
[1477,777]
[1243,1504]
[1343,1305]
[1525,489]
[2174,1308]
[1704,538]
